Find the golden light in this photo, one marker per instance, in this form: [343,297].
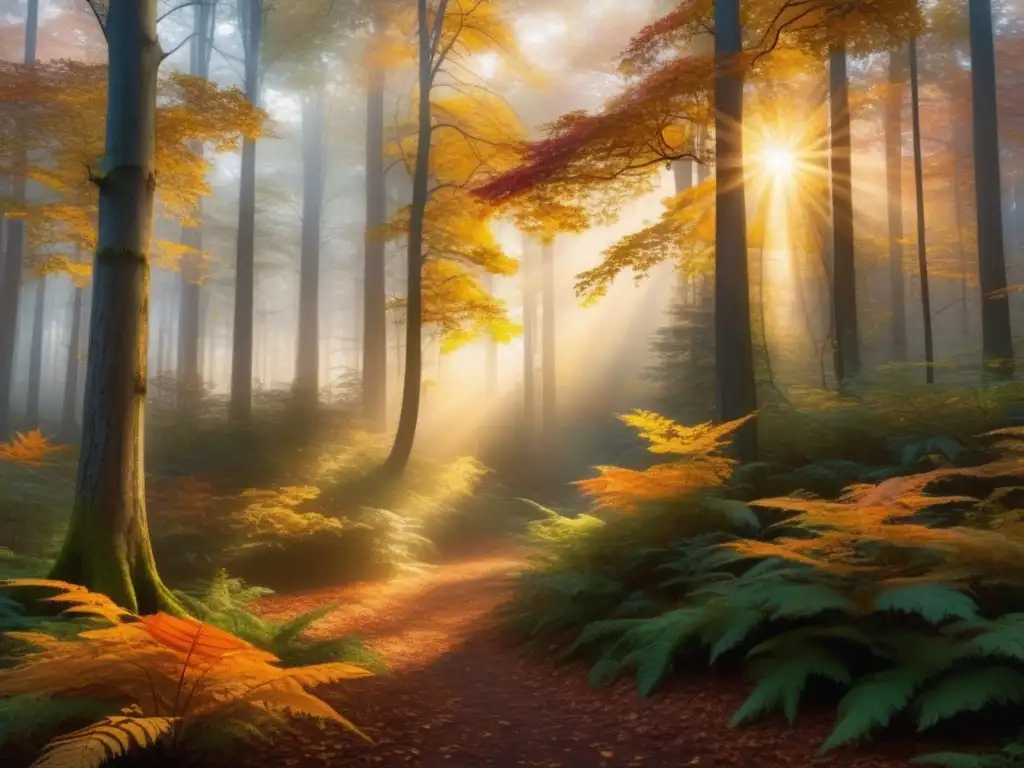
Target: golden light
[778,161]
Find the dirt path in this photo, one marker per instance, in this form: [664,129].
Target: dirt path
[459,697]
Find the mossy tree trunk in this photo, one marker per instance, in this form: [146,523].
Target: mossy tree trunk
[894,193]
[107,548]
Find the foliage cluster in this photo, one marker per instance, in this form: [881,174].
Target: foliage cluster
[160,683]
[900,598]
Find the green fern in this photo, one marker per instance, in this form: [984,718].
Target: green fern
[933,602]
[872,703]
[969,691]
[781,682]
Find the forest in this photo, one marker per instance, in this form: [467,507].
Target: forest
[555,383]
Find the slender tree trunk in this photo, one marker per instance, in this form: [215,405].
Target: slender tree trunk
[240,404]
[527,271]
[375,332]
[107,548]
[547,345]
[735,388]
[922,252]
[35,360]
[844,274]
[13,262]
[894,191]
[997,339]
[405,436]
[490,356]
[69,410]
[189,380]
[307,360]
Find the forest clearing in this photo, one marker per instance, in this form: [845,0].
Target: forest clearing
[511,383]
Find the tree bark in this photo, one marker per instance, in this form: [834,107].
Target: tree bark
[69,410]
[35,359]
[240,403]
[375,332]
[922,251]
[490,358]
[107,548]
[894,192]
[307,360]
[735,388]
[189,380]
[997,339]
[14,257]
[528,279]
[844,273]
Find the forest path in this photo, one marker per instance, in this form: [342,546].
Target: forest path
[457,696]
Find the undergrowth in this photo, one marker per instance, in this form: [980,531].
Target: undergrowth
[900,598]
[172,686]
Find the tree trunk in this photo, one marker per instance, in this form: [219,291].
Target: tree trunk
[735,387]
[307,359]
[189,381]
[894,191]
[107,548]
[997,339]
[375,332]
[69,411]
[547,344]
[240,404]
[14,257]
[401,451]
[35,359]
[528,279]
[922,252]
[490,358]
[844,273]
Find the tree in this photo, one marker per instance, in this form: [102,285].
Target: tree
[307,362]
[457,139]
[922,251]
[11,265]
[997,338]
[35,360]
[107,548]
[844,278]
[189,384]
[250,14]
[894,193]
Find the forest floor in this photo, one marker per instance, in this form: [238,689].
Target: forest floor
[459,696]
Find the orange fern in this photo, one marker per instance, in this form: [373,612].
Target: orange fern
[30,448]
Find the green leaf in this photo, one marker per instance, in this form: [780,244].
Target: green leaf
[783,681]
[960,760]
[968,692]
[805,600]
[740,624]
[872,703]
[932,602]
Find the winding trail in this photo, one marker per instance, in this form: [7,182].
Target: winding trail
[459,697]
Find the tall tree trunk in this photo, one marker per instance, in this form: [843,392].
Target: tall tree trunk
[735,388]
[307,359]
[922,251]
[240,403]
[894,192]
[528,279]
[490,357]
[844,273]
[69,409]
[189,381]
[14,257]
[35,359]
[401,451]
[997,339]
[375,331]
[547,344]
[107,548]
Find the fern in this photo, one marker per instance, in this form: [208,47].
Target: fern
[931,601]
[969,691]
[872,703]
[177,675]
[781,682]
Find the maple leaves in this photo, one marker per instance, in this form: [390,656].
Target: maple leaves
[60,106]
